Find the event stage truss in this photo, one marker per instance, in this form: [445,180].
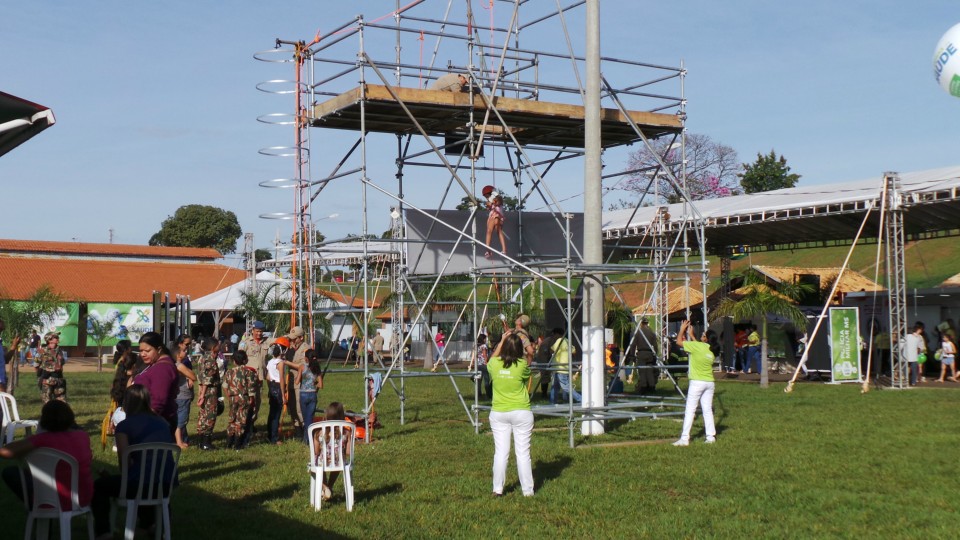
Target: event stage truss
[366,77]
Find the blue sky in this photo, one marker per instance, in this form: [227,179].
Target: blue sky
[156,102]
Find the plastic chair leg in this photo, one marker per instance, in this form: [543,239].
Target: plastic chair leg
[65,526]
[131,524]
[348,488]
[165,509]
[29,527]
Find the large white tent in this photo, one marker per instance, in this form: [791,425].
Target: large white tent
[229,298]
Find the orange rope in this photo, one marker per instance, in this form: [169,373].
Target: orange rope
[420,76]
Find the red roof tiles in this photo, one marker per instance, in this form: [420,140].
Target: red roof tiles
[108,250]
[86,280]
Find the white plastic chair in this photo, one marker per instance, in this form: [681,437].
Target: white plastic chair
[154,462]
[335,454]
[11,419]
[46,505]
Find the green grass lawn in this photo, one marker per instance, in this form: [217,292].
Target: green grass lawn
[824,461]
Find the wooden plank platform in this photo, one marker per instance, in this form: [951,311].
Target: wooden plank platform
[447,114]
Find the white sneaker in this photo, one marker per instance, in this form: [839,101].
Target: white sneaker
[711,440]
[326,493]
[682,442]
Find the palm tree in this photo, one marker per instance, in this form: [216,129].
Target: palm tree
[756,299]
[100,329]
[22,317]
[620,320]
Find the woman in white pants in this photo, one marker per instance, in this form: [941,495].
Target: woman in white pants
[510,413]
[701,385]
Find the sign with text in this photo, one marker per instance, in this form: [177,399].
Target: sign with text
[845,344]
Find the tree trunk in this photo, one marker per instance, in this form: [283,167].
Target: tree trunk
[764,364]
[99,357]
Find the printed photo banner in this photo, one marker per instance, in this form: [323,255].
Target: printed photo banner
[845,344]
[128,321]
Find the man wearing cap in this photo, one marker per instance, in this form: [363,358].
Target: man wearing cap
[49,366]
[257,350]
[298,343]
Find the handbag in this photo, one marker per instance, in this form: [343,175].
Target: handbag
[921,358]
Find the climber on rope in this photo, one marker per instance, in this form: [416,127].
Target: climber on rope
[495,219]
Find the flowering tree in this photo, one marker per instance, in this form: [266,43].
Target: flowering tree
[711,169]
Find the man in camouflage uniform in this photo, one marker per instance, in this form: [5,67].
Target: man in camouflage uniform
[258,351]
[241,383]
[208,378]
[49,365]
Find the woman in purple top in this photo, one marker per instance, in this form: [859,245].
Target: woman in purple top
[159,377]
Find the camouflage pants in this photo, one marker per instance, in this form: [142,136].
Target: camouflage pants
[241,413]
[207,417]
[53,388]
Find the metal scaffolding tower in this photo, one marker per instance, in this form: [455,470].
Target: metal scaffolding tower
[513,120]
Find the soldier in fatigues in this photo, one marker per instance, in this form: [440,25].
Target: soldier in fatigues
[208,378]
[258,352]
[49,366]
[241,383]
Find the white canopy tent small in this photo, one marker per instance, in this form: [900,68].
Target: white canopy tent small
[224,301]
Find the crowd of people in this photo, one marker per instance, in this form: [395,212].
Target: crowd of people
[153,390]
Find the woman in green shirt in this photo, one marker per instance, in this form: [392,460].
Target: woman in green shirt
[510,413]
[701,385]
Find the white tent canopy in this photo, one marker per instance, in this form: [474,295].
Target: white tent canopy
[229,298]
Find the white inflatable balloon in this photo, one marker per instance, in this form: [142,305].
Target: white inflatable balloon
[946,61]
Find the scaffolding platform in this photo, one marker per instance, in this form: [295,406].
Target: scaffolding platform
[448,113]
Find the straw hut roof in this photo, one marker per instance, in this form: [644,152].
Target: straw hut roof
[852,281]
[953,281]
[677,301]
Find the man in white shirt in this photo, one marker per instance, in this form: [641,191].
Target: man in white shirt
[913,345]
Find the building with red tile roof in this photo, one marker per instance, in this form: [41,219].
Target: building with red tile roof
[85,272]
[98,276]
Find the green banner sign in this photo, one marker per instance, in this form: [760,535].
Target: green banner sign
[845,344]
[116,322]
[64,321]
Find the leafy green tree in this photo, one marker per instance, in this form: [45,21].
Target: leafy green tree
[21,317]
[100,331]
[201,226]
[620,320]
[261,255]
[266,303]
[757,300]
[768,173]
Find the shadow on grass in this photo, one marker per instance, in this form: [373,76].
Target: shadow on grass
[211,516]
[545,472]
[202,471]
[370,494]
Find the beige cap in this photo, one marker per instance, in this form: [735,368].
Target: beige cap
[524,320]
[295,333]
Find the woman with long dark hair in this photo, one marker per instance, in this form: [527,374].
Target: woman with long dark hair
[59,431]
[510,414]
[185,380]
[310,382]
[159,376]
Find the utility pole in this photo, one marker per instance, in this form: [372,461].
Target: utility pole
[593,369]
